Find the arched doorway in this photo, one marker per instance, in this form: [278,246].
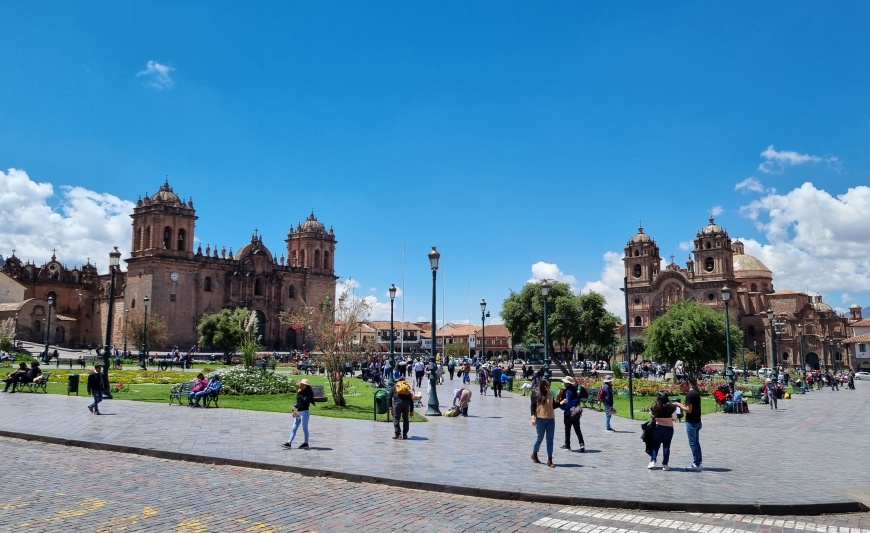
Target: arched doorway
[812,360]
[59,335]
[290,339]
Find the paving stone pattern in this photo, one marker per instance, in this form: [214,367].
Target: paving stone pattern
[813,443]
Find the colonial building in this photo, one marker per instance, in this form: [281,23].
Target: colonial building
[183,283]
[805,330]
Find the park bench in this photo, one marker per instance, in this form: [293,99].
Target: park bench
[166,364]
[36,386]
[319,393]
[186,389]
[591,401]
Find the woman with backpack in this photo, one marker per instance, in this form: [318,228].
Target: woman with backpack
[571,400]
[663,412]
[544,420]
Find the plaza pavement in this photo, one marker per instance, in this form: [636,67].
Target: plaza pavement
[805,458]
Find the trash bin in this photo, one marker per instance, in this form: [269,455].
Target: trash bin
[72,384]
[382,404]
[510,383]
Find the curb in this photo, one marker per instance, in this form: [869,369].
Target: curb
[813,509]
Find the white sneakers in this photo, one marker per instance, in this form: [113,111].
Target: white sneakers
[665,468]
[651,465]
[696,468]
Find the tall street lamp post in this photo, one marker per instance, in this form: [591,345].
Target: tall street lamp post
[392,338]
[433,410]
[126,316]
[144,357]
[800,329]
[114,261]
[545,290]
[729,370]
[772,367]
[483,315]
[743,356]
[48,329]
[825,355]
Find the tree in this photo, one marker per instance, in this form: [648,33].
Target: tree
[692,333]
[455,350]
[573,321]
[7,331]
[335,330]
[158,336]
[226,331]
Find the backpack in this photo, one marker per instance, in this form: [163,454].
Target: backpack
[402,387]
[601,395]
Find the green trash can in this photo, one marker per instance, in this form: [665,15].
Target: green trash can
[382,404]
[510,383]
[72,384]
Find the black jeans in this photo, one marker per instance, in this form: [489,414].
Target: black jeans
[576,425]
[403,410]
[496,387]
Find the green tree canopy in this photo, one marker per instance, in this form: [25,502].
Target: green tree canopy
[692,333]
[224,330]
[573,321]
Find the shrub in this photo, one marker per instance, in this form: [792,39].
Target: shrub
[244,381]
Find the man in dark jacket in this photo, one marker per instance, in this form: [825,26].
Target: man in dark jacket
[496,381]
[96,388]
[14,378]
[400,403]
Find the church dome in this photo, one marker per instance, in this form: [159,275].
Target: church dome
[712,229]
[820,306]
[166,196]
[748,266]
[641,237]
[312,224]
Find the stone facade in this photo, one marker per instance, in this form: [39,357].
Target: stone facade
[807,326]
[183,284]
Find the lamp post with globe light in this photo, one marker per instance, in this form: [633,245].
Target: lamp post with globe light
[729,370]
[433,410]
[48,329]
[114,261]
[392,379]
[483,315]
[144,357]
[545,290]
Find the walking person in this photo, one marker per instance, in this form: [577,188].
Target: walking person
[770,389]
[544,420]
[466,373]
[419,370]
[572,399]
[606,397]
[663,411]
[482,379]
[401,401]
[304,400]
[451,368]
[692,408]
[96,387]
[496,381]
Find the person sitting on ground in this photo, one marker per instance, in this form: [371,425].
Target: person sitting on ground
[214,387]
[13,378]
[199,385]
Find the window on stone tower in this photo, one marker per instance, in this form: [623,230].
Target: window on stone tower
[137,239]
[181,235]
[326,260]
[637,271]
[167,238]
[637,321]
[291,292]
[316,258]
[753,287]
[147,242]
[637,253]
[258,287]
[294,260]
[709,264]
[206,286]
[302,259]
[707,245]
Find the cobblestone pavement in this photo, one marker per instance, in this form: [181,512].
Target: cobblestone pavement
[58,488]
[800,459]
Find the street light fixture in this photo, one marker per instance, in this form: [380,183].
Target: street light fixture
[392,338]
[126,316]
[144,356]
[433,410]
[483,315]
[114,261]
[729,370]
[545,290]
[48,329]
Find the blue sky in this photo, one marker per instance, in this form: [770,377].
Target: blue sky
[523,139]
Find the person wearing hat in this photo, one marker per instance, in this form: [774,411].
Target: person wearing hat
[401,401]
[304,400]
[14,378]
[770,389]
[96,387]
[606,396]
[572,399]
[214,387]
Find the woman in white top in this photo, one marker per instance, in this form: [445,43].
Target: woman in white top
[662,411]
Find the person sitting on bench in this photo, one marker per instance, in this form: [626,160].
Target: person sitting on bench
[214,387]
[14,378]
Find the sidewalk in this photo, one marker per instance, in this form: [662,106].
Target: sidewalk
[806,458]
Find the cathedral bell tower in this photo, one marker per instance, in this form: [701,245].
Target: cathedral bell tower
[713,257]
[641,260]
[163,225]
[311,246]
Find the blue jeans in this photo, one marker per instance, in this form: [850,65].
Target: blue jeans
[548,426]
[692,430]
[198,395]
[302,419]
[662,436]
[607,415]
[98,397]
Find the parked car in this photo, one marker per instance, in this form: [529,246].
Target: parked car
[862,375]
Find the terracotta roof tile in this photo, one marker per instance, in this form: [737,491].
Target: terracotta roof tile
[860,338]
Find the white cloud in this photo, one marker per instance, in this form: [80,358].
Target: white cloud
[815,242]
[716,210]
[542,270]
[750,184]
[157,75]
[776,161]
[85,224]
[612,278]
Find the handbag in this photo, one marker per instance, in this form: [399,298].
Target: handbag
[576,412]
